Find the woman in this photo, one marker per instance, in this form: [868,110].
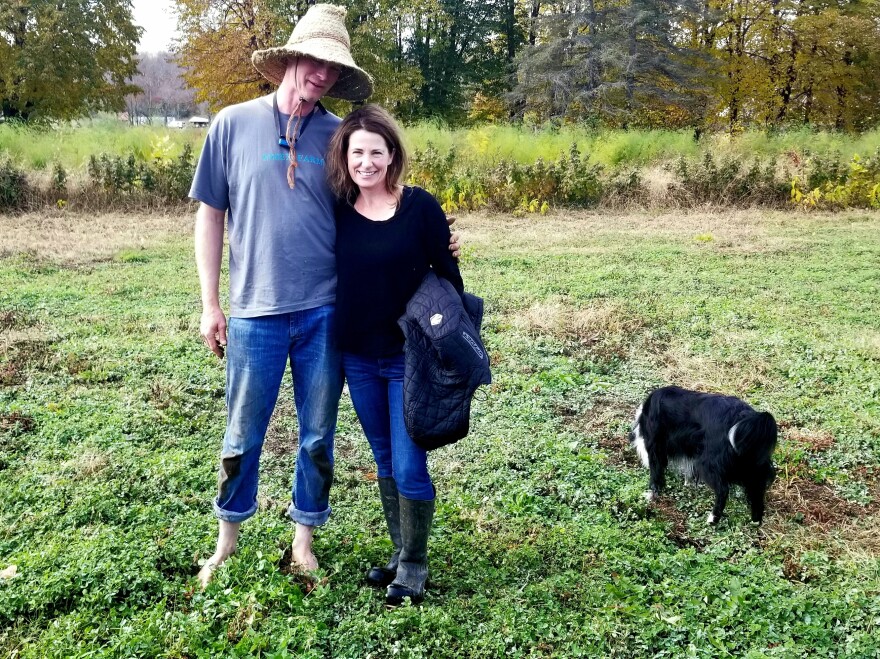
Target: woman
[388,236]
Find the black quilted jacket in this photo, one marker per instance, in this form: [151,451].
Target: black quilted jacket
[445,362]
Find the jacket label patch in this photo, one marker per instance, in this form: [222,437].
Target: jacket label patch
[473,344]
[436,319]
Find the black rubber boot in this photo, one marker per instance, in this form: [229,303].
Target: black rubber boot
[380,577]
[412,570]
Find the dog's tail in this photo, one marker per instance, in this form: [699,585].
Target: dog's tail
[755,435]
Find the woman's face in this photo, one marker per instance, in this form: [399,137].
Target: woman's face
[368,160]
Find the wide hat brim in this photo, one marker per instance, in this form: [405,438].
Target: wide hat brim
[353,84]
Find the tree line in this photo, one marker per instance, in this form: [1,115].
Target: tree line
[60,60]
[625,63]
[670,63]
[161,91]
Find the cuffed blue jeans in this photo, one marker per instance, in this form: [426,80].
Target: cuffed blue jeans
[258,351]
[376,388]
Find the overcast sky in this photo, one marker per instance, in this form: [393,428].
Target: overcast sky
[159,22]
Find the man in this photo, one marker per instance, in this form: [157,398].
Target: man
[263,163]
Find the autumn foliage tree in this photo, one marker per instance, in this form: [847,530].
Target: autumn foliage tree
[217,38]
[795,61]
[60,60]
[703,63]
[378,30]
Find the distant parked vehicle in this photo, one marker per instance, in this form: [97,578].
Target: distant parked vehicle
[176,123]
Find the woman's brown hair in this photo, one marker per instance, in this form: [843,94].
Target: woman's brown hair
[373,119]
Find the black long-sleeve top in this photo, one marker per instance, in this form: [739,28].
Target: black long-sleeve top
[381,264]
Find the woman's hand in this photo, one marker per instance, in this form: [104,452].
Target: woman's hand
[454,239]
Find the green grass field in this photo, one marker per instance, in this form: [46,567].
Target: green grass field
[111,413]
[39,148]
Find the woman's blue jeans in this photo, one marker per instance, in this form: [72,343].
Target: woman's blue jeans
[258,351]
[376,388]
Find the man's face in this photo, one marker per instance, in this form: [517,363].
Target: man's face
[314,78]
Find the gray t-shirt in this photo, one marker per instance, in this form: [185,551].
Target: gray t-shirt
[281,241]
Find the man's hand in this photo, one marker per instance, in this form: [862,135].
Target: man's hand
[209,253]
[213,330]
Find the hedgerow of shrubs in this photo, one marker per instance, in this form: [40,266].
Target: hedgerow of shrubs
[134,181]
[573,181]
[829,183]
[508,185]
[130,182]
[728,182]
[14,189]
[165,179]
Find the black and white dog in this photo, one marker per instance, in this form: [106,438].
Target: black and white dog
[714,439]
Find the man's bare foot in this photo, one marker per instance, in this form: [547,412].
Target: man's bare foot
[207,573]
[227,540]
[302,557]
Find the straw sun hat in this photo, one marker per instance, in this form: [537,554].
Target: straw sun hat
[320,34]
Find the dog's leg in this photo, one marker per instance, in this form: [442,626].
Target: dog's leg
[722,490]
[657,482]
[755,495]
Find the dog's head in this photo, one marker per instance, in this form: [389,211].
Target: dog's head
[771,474]
[634,428]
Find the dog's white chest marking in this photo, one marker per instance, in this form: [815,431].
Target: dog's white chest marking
[687,467]
[640,447]
[639,441]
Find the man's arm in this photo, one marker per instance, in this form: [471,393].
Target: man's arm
[210,224]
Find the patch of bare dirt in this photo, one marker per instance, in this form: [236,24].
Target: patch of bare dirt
[619,451]
[7,320]
[678,530]
[282,441]
[16,422]
[75,238]
[10,374]
[13,319]
[16,356]
[604,423]
[746,231]
[813,441]
[815,504]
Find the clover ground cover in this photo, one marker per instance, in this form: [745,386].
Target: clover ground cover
[111,413]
